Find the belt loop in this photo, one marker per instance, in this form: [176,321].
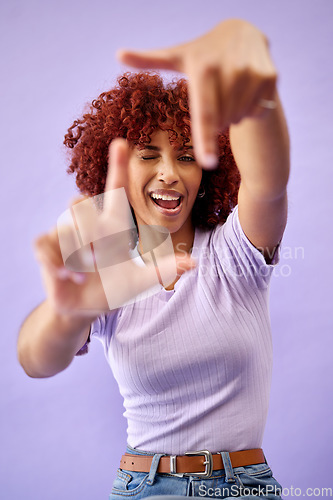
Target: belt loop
[153,467]
[229,472]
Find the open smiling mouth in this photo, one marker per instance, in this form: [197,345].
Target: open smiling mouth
[169,205]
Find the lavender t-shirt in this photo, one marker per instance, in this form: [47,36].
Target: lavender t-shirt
[194,364]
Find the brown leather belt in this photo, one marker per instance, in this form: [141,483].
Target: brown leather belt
[200,463]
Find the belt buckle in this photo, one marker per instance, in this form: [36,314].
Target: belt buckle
[208,463]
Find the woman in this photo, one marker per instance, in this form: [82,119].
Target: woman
[193,357]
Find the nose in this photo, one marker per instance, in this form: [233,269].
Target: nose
[168,172]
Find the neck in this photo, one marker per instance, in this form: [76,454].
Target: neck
[182,241]
[154,244]
[157,240]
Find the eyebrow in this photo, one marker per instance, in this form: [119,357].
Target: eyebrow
[156,148]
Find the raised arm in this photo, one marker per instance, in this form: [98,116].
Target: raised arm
[48,340]
[261,150]
[232,83]
[54,332]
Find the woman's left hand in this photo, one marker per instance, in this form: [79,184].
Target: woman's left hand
[231,76]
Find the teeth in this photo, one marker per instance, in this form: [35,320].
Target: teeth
[165,197]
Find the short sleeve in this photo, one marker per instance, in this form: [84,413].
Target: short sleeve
[85,348]
[100,328]
[238,257]
[97,327]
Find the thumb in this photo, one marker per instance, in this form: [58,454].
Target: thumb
[172,266]
[154,59]
[184,263]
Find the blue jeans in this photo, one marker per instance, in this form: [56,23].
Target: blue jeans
[249,482]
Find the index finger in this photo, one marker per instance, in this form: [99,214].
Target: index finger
[117,175]
[168,58]
[116,215]
[204,109]
[116,228]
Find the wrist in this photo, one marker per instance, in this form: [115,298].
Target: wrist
[75,318]
[69,324]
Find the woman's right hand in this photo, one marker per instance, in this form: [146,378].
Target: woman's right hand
[86,265]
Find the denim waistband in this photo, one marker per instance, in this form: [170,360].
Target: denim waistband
[228,469]
[134,451]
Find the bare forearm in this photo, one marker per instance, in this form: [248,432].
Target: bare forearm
[49,341]
[261,150]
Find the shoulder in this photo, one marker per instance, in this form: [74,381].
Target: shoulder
[214,237]
[228,249]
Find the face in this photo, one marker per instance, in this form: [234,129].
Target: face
[163,184]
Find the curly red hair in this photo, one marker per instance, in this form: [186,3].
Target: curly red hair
[139,104]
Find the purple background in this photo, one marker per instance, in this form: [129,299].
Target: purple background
[61,438]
